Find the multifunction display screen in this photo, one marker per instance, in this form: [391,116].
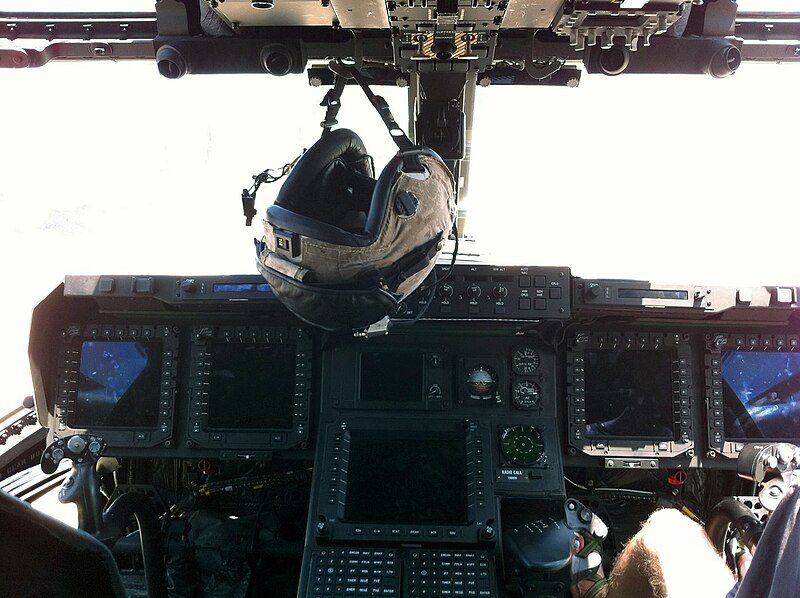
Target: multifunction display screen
[118,386]
[407,477]
[392,376]
[252,386]
[761,395]
[629,394]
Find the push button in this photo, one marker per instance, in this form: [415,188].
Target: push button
[524,281]
[143,285]
[539,281]
[540,304]
[105,284]
[525,303]
[555,292]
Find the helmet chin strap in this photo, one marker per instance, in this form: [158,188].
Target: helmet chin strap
[332,102]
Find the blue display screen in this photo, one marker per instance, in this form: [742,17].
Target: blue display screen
[242,288]
[118,385]
[761,395]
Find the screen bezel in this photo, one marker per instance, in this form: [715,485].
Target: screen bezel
[682,440]
[332,496]
[344,383]
[717,344]
[68,374]
[201,367]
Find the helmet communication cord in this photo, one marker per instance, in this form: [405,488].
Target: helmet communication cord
[270,175]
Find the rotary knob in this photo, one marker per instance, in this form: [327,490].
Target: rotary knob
[473,291]
[593,292]
[499,292]
[446,291]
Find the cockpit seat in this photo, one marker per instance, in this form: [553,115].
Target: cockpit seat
[42,557]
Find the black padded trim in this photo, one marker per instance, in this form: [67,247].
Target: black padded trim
[308,227]
[340,144]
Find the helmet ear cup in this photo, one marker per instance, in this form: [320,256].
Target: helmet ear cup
[332,182]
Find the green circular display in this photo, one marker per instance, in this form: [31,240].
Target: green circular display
[522,445]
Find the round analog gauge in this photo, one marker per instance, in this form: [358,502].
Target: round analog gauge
[525,394]
[525,361]
[481,382]
[522,445]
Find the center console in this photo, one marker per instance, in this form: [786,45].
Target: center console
[419,438]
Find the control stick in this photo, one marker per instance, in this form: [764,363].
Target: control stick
[82,486]
[773,467]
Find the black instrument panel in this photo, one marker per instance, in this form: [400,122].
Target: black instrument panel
[632,396]
[419,437]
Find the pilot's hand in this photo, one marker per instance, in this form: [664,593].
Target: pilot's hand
[741,556]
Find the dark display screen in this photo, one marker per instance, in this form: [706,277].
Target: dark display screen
[252,387]
[416,478]
[118,386]
[396,377]
[761,395]
[629,394]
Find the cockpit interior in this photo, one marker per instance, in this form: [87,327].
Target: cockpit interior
[373,410]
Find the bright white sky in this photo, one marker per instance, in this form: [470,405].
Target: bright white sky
[109,168]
